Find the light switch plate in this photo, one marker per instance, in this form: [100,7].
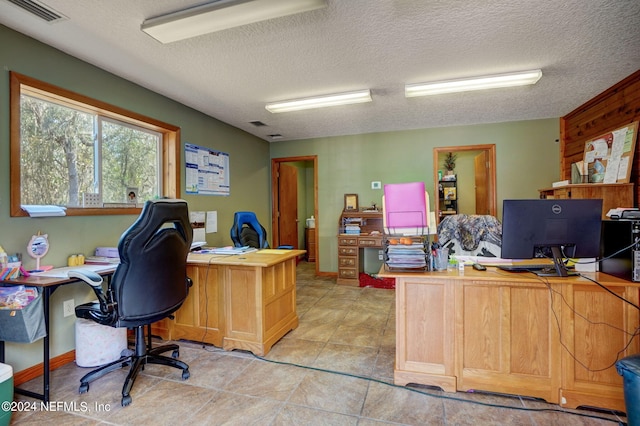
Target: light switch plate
[376,185]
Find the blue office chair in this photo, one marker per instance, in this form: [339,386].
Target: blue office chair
[149,284]
[247,231]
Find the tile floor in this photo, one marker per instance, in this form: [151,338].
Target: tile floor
[336,368]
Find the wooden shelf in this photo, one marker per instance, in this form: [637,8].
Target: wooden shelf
[447,197]
[613,195]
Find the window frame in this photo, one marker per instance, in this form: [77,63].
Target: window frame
[170,146]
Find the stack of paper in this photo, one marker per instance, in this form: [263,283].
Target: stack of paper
[232,250]
[44,211]
[409,256]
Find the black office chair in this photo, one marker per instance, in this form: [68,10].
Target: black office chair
[149,284]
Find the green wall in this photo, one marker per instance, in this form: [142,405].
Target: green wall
[249,167]
[527,157]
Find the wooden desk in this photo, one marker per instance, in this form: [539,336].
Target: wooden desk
[515,333]
[238,302]
[350,263]
[48,286]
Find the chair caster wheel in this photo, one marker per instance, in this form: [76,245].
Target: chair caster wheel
[84,388]
[175,354]
[185,374]
[126,400]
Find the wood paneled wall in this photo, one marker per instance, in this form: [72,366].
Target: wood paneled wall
[612,109]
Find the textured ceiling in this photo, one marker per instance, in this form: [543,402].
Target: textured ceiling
[582,46]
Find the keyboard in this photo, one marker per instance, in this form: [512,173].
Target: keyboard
[526,267]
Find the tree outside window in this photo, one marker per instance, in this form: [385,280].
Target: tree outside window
[67,149]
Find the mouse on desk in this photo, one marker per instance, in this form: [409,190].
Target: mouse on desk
[479,267]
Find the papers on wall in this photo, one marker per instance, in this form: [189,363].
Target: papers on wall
[199,235]
[197,223]
[44,211]
[609,157]
[211,224]
[203,223]
[207,171]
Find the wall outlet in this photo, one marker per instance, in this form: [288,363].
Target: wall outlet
[68,308]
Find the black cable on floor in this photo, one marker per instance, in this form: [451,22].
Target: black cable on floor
[452,398]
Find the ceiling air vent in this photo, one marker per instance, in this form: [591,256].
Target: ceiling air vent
[257,123]
[39,9]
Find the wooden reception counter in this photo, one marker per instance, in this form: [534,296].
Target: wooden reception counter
[555,338]
[238,302]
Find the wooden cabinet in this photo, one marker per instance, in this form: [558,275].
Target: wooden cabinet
[238,302]
[514,334]
[200,317]
[509,340]
[259,306]
[350,263]
[592,343]
[613,195]
[310,243]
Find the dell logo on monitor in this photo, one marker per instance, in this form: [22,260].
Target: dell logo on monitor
[556,209]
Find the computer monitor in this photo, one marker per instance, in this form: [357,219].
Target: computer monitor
[555,228]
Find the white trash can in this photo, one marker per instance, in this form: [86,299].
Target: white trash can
[98,344]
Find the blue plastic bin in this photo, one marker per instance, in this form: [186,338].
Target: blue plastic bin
[629,369]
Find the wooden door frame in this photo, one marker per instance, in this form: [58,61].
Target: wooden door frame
[275,228]
[490,149]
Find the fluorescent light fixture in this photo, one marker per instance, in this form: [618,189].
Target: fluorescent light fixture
[320,101]
[221,15]
[475,83]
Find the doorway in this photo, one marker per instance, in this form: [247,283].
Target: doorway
[285,215]
[484,174]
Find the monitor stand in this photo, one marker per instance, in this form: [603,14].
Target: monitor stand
[559,269]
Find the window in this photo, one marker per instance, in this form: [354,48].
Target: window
[91,157]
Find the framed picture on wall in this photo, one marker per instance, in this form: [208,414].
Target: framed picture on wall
[350,202]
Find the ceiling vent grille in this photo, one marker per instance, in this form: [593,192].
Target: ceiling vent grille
[39,10]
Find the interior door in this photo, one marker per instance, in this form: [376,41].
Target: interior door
[486,198]
[288,205]
[482,181]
